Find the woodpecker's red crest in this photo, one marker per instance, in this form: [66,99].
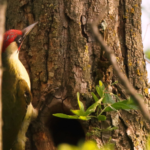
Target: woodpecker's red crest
[10,36]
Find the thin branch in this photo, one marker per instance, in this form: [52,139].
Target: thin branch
[125,82]
[2,29]
[147,60]
[146,31]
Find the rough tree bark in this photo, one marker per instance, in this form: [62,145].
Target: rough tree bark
[62,59]
[3,6]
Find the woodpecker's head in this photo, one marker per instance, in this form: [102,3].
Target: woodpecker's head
[13,40]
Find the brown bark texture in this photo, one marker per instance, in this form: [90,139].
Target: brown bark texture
[62,58]
[3,6]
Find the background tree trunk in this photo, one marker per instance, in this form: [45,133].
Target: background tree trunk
[3,6]
[62,59]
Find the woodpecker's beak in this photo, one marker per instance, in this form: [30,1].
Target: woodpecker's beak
[27,30]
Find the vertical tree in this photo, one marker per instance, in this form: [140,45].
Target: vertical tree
[63,58]
[2,30]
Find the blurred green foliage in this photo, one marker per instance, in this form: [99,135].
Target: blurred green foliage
[147,54]
[88,145]
[148,143]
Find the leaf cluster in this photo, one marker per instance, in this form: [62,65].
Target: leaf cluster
[105,98]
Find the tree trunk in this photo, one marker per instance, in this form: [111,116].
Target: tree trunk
[3,6]
[63,58]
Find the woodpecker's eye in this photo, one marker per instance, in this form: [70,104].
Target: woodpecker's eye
[20,40]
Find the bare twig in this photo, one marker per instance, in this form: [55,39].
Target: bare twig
[2,29]
[146,32]
[125,82]
[147,60]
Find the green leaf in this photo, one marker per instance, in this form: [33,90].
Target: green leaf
[100,91]
[126,105]
[95,97]
[114,83]
[78,112]
[101,117]
[111,128]
[93,107]
[81,106]
[89,145]
[84,118]
[101,84]
[60,115]
[108,99]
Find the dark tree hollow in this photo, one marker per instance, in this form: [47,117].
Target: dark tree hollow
[66,131]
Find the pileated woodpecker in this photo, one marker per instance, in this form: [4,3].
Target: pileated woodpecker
[17,109]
